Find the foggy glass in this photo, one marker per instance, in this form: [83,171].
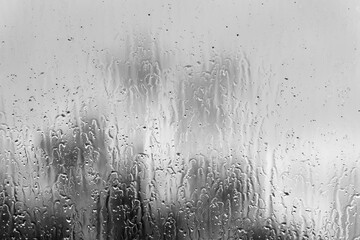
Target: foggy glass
[179,119]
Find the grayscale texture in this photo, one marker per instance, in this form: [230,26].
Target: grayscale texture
[179,119]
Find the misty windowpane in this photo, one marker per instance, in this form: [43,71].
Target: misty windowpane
[179,120]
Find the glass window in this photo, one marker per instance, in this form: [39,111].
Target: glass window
[179,119]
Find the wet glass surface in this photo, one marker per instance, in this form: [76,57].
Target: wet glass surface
[179,120]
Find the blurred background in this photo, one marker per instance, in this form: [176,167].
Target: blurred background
[179,120]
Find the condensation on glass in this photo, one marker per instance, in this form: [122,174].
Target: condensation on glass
[179,120]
